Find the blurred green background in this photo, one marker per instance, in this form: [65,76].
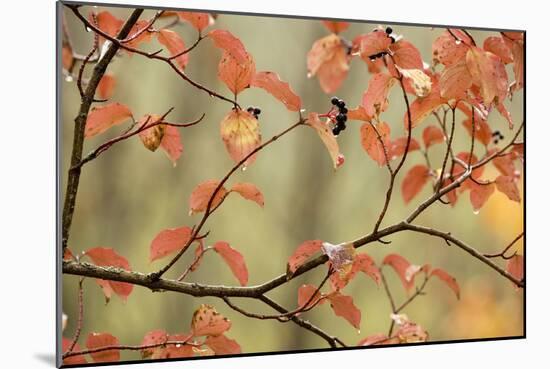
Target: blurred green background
[129,194]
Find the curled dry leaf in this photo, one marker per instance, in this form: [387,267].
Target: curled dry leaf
[250,192]
[449,280]
[241,135]
[208,322]
[236,75]
[106,86]
[432,135]
[169,241]
[200,197]
[328,59]
[282,91]
[344,307]
[375,98]
[151,137]
[341,256]
[336,27]
[374,139]
[410,332]
[175,45]
[198,20]
[97,340]
[226,41]
[308,293]
[302,253]
[101,118]
[222,345]
[234,260]
[415,179]
[328,139]
[107,257]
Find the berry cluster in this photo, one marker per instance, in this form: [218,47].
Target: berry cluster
[389,32]
[497,136]
[255,111]
[341,117]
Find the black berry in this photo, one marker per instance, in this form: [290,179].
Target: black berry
[389,31]
[257,111]
[392,39]
[341,118]
[342,126]
[334,100]
[336,130]
[341,104]
[495,141]
[250,109]
[343,110]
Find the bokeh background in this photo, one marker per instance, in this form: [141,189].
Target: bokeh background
[129,194]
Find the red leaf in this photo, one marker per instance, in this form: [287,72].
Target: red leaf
[143,37]
[482,131]
[208,322]
[397,147]
[377,339]
[405,270]
[102,256]
[72,360]
[175,45]
[222,345]
[508,186]
[171,143]
[241,135]
[432,135]
[343,306]
[488,72]
[198,202]
[371,143]
[179,350]
[108,23]
[198,20]
[305,293]
[375,98]
[515,41]
[505,165]
[234,259]
[373,43]
[282,91]
[328,139]
[166,351]
[514,267]
[359,113]
[226,41]
[455,81]
[406,55]
[97,340]
[336,27]
[101,118]
[447,279]
[302,253]
[414,180]
[497,46]
[236,75]
[479,194]
[106,86]
[447,50]
[169,241]
[250,192]
[328,59]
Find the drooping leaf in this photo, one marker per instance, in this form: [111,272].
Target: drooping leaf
[449,280]
[169,241]
[405,270]
[359,113]
[482,131]
[328,59]
[144,36]
[336,27]
[236,75]
[398,146]
[97,340]
[515,42]
[406,55]
[479,194]
[198,20]
[234,260]
[373,144]
[226,41]
[508,186]
[302,253]
[208,322]
[308,293]
[175,45]
[222,345]
[179,350]
[108,23]
[415,179]
[514,267]
[328,139]
[200,197]
[344,307]
[250,192]
[432,135]
[171,143]
[106,86]
[151,137]
[241,135]
[488,72]
[505,165]
[166,351]
[107,257]
[455,81]
[72,360]
[375,98]
[101,118]
[282,91]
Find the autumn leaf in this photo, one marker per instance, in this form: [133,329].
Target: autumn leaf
[328,59]
[505,164]
[106,86]
[449,280]
[107,257]
[169,241]
[336,27]
[361,263]
[222,345]
[97,340]
[144,36]
[447,50]
[208,322]
[308,293]
[497,46]
[420,83]
[514,267]
[405,270]
[72,360]
[151,137]
[328,139]
[198,20]
[344,307]
[409,332]
[198,201]
[241,135]
[236,75]
[374,139]
[171,143]
[479,194]
[282,91]
[406,55]
[414,181]
[160,336]
[516,44]
[226,41]
[424,106]
[373,43]
[175,45]
[341,256]
[432,135]
[482,131]
[234,260]
[359,113]
[377,339]
[250,192]
[488,72]
[455,81]
[67,57]
[397,147]
[375,98]
[101,118]
[108,23]
[508,186]
[302,253]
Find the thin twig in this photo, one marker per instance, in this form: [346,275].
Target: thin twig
[502,254]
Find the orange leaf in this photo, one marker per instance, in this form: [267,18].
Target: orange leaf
[151,137]
[143,37]
[208,322]
[226,41]
[102,256]
[97,340]
[305,293]
[424,106]
[171,143]
[72,360]
[515,41]
[405,270]
[397,147]
[169,241]
[377,339]
[302,253]
[234,259]
[479,194]
[175,45]
[414,180]
[198,20]
[241,135]
[106,86]
[482,131]
[488,72]
[166,351]
[406,55]
[221,345]
[449,280]
[455,81]
[328,139]
[505,165]
[375,98]
[508,186]
[497,46]
[108,23]
[236,75]
[514,267]
[359,113]
[336,27]
[249,192]
[371,143]
[447,50]
[432,135]
[361,263]
[328,59]
[101,118]
[282,91]
[198,202]
[373,43]
[343,306]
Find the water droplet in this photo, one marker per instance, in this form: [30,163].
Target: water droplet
[458,42]
[476,211]
[358,331]
[244,168]
[309,75]
[88,29]
[68,78]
